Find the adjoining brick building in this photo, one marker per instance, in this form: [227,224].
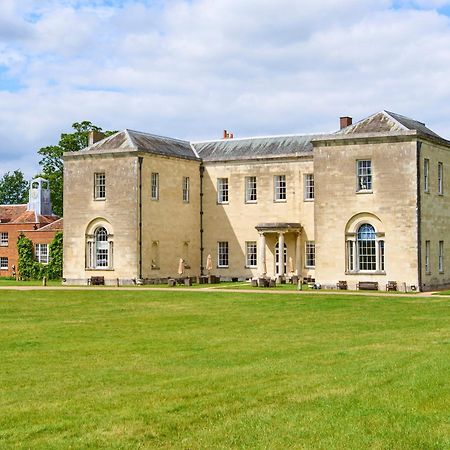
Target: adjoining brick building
[369,203]
[35,220]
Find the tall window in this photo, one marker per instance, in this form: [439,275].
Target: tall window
[41,253]
[367,254]
[250,190]
[222,254]
[427,256]
[3,263]
[250,252]
[364,175]
[99,186]
[426,175]
[440,178]
[101,248]
[186,189]
[309,186]
[441,256]
[4,239]
[222,190]
[155,186]
[279,183]
[310,254]
[278,259]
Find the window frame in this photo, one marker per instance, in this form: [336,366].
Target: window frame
[41,256]
[310,254]
[99,186]
[427,257]
[154,186]
[251,189]
[251,254]
[441,257]
[2,260]
[279,190]
[4,239]
[361,175]
[426,175]
[223,254]
[308,189]
[223,195]
[186,186]
[440,179]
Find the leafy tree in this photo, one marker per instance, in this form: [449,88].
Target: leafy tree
[52,163]
[13,188]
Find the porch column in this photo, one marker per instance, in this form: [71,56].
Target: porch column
[298,257]
[281,253]
[262,269]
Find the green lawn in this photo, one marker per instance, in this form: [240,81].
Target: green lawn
[196,370]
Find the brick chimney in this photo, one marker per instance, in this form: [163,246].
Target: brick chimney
[94,136]
[346,122]
[227,135]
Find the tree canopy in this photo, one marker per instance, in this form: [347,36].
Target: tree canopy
[13,188]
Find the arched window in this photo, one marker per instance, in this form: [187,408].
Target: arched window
[99,248]
[365,252]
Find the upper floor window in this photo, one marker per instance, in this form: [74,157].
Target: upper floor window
[100,186]
[440,178]
[250,190]
[310,254]
[364,175]
[4,239]
[250,254]
[309,186]
[3,263]
[41,253]
[155,186]
[279,184]
[222,254]
[222,190]
[186,189]
[426,175]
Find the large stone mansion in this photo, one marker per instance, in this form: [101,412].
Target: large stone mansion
[370,202]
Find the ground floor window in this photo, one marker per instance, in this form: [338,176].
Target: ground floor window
[99,250]
[277,258]
[365,251]
[310,254]
[41,253]
[250,251]
[222,254]
[441,256]
[3,263]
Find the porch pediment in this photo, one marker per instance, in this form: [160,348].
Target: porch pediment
[276,227]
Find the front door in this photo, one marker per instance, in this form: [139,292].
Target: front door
[277,259]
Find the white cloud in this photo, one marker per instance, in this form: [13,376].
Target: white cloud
[191,68]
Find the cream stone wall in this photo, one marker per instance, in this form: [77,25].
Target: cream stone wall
[390,207]
[435,214]
[235,222]
[118,212]
[171,227]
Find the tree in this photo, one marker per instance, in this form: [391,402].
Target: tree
[13,188]
[52,163]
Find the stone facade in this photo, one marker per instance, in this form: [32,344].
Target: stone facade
[347,206]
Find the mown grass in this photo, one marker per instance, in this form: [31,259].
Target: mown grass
[191,370]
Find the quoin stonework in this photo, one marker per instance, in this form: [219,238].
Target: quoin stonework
[367,203]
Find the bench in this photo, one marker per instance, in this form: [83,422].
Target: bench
[97,281]
[391,286]
[342,285]
[367,286]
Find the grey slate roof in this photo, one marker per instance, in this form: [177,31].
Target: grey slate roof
[254,148]
[388,122]
[129,140]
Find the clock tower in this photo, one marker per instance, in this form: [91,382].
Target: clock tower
[39,200]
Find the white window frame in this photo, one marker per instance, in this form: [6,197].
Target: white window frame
[94,249]
[251,190]
[222,191]
[223,255]
[154,188]
[279,188]
[426,175]
[364,175]
[308,181]
[41,253]
[4,263]
[4,239]
[99,186]
[440,178]
[186,189]
[427,257]
[441,257]
[251,254]
[310,254]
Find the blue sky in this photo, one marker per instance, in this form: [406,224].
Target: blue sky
[189,69]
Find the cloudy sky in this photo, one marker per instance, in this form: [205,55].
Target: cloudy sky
[190,68]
